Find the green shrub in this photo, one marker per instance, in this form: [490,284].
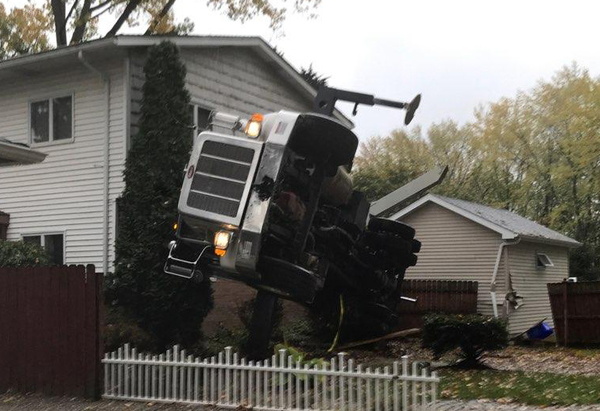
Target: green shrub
[473,334]
[121,329]
[22,254]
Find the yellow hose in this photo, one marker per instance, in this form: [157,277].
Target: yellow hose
[339,330]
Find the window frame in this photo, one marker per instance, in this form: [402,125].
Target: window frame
[43,240]
[544,265]
[196,106]
[51,140]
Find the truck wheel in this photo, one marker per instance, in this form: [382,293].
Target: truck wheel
[288,280]
[333,142]
[383,224]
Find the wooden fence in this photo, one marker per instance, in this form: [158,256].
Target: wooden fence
[436,296]
[576,312]
[50,330]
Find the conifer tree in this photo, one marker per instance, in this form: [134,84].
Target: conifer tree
[168,308]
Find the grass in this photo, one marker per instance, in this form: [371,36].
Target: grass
[516,386]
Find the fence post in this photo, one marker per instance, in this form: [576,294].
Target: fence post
[565,313]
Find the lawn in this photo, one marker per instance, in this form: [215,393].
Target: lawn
[535,388]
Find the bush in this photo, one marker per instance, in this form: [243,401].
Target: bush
[121,329]
[473,334]
[22,254]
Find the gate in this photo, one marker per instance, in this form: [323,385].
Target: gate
[50,330]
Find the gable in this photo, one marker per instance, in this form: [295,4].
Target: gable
[236,79]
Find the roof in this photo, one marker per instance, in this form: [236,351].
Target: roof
[510,225]
[17,153]
[32,64]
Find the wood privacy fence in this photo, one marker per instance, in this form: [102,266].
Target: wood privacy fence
[50,330]
[576,312]
[449,297]
[280,383]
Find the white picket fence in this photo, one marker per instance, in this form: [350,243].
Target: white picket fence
[278,384]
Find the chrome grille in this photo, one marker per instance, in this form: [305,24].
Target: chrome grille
[221,175]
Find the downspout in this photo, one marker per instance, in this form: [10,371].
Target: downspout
[105,154]
[495,274]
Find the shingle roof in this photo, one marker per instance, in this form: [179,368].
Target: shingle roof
[505,222]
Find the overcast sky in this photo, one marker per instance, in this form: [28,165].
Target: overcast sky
[457,53]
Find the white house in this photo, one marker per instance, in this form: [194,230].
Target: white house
[512,258]
[79,106]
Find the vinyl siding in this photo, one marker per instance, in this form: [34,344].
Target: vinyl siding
[64,194]
[455,248]
[230,79]
[531,283]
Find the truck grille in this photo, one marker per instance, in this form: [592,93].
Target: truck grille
[222,172]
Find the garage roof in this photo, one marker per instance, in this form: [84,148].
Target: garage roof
[508,224]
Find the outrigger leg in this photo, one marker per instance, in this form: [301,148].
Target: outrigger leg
[261,326]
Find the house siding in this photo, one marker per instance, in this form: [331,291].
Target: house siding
[230,79]
[531,283]
[65,192]
[456,248]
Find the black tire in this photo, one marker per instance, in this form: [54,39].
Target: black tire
[323,139]
[382,224]
[288,280]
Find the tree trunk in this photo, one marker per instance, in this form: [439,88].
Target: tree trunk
[60,24]
[82,22]
[156,20]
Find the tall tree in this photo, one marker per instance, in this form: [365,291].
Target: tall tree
[166,307]
[73,21]
[535,154]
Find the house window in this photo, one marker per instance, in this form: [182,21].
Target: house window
[543,261]
[51,120]
[53,243]
[200,117]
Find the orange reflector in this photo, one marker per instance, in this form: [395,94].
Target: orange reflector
[220,252]
[175,225]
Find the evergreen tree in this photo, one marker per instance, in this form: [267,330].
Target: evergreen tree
[313,78]
[169,309]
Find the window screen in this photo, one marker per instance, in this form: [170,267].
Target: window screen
[34,239]
[62,121]
[40,121]
[51,119]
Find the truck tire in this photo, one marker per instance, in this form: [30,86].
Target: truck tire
[383,224]
[288,280]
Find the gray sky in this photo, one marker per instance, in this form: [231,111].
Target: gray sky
[457,53]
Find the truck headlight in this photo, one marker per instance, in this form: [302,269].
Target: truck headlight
[221,242]
[254,125]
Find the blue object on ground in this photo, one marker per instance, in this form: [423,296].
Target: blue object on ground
[540,331]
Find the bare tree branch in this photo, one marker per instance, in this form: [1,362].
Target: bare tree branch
[75,3]
[100,13]
[156,21]
[131,6]
[100,5]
